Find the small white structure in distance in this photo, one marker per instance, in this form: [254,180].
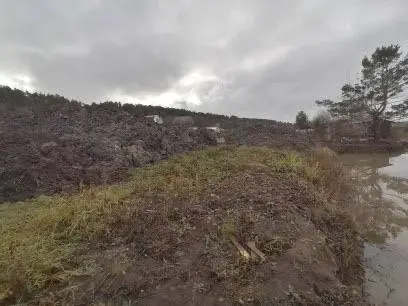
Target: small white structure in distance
[156,118]
[183,120]
[218,132]
[216,129]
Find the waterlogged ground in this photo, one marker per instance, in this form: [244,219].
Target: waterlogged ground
[382,216]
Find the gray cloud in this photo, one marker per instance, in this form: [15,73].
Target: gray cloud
[249,58]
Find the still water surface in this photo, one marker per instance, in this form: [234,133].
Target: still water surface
[382,217]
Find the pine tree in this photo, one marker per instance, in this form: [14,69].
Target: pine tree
[379,92]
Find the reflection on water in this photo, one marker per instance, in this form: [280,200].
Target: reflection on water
[382,217]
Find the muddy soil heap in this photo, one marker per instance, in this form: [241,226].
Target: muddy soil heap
[169,235]
[49,144]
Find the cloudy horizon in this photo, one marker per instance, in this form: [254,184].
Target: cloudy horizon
[257,58]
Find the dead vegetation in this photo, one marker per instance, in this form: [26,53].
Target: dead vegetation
[169,236]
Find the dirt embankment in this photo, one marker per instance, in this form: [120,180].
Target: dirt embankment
[166,237]
[65,146]
[367,148]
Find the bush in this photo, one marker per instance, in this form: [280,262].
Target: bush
[302,121]
[320,123]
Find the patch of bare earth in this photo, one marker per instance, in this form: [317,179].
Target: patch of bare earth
[179,252]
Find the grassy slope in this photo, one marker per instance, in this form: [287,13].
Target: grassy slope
[41,239]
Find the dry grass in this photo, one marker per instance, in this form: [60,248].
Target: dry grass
[42,238]
[334,185]
[325,170]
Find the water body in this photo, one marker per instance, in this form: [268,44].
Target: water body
[382,217]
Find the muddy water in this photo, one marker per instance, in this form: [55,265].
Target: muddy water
[382,217]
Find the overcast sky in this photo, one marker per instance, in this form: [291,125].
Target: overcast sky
[252,58]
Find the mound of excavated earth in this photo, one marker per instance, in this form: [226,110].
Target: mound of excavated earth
[222,226]
[63,147]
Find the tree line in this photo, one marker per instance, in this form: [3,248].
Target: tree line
[379,93]
[14,99]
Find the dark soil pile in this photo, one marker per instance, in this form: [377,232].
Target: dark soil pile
[69,147]
[257,132]
[62,146]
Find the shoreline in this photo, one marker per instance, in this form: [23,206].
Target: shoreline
[363,148]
